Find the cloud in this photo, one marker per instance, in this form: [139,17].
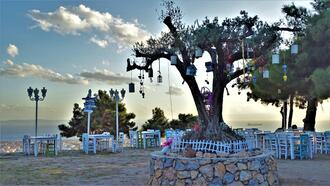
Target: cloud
[106,76]
[82,19]
[100,42]
[176,91]
[12,50]
[31,70]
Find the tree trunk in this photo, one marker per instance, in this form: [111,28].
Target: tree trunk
[285,113]
[290,112]
[282,114]
[309,121]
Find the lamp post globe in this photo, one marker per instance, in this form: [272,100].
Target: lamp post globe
[34,96]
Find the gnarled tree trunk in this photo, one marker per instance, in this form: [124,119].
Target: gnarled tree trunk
[290,112]
[309,121]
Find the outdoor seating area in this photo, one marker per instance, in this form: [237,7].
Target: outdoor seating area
[102,142]
[289,144]
[145,139]
[46,145]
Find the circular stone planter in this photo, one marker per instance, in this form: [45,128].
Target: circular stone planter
[254,170]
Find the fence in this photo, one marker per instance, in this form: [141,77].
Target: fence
[209,146]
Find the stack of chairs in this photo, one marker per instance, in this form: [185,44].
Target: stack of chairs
[327,142]
[271,143]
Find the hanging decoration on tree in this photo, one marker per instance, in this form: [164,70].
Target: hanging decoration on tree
[131,86]
[150,73]
[141,77]
[294,48]
[198,52]
[275,58]
[285,70]
[265,73]
[159,77]
[174,59]
[207,99]
[191,70]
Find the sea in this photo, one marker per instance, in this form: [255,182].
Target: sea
[14,130]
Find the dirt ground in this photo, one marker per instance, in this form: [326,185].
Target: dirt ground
[128,168]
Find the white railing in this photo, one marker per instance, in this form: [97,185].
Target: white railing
[209,146]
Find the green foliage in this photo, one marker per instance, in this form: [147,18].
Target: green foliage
[102,118]
[77,124]
[157,122]
[160,122]
[321,81]
[184,121]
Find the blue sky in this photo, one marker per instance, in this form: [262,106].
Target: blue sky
[71,46]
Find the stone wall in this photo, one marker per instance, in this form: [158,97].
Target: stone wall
[169,170]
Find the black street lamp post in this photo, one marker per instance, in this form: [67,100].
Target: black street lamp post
[36,98]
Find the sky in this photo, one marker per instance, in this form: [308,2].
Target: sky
[72,46]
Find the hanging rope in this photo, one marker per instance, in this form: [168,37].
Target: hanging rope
[169,88]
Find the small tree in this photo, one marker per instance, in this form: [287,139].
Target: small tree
[102,118]
[184,121]
[157,122]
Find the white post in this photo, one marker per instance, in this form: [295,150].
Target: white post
[117,121]
[88,121]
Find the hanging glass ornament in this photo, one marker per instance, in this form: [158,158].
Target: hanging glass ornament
[275,58]
[285,77]
[279,91]
[285,68]
[174,59]
[198,52]
[265,74]
[191,70]
[294,49]
[209,66]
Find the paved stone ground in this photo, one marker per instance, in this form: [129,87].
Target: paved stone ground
[128,168]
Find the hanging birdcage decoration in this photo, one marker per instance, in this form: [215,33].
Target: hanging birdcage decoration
[209,66]
[131,87]
[159,78]
[150,73]
[265,74]
[198,52]
[275,58]
[174,59]
[191,70]
[294,49]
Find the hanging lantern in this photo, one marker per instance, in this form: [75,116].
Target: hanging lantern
[209,66]
[191,70]
[265,74]
[285,77]
[198,52]
[294,49]
[131,88]
[275,58]
[174,60]
[159,79]
[279,91]
[285,68]
[150,73]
